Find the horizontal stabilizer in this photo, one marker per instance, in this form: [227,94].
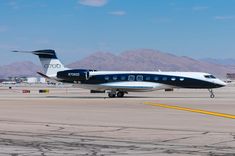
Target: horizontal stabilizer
[47,77]
[43,75]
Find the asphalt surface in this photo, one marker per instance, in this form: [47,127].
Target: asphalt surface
[71,121]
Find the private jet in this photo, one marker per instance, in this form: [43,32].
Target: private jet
[119,83]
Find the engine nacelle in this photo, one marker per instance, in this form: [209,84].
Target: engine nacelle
[73,75]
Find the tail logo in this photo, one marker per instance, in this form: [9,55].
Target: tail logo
[54,66]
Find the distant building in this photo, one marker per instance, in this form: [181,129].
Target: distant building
[8,82]
[42,80]
[230,76]
[18,80]
[32,80]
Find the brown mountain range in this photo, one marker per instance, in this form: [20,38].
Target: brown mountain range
[141,59]
[150,60]
[25,68]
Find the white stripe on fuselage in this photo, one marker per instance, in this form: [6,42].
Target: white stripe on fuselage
[136,85]
[133,86]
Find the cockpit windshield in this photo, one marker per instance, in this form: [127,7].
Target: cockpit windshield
[209,76]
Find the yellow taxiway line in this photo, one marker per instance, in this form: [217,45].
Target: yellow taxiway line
[230,116]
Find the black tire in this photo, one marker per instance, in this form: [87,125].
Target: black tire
[212,96]
[120,94]
[111,95]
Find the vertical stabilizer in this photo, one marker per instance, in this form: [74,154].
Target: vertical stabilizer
[50,63]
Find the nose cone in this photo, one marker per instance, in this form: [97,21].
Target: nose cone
[220,83]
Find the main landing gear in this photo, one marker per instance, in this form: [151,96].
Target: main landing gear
[119,94]
[212,95]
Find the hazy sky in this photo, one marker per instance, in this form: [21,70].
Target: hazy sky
[77,28]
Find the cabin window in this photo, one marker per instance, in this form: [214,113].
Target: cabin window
[164,78]
[173,79]
[115,78]
[147,78]
[106,78]
[123,78]
[181,79]
[209,76]
[213,77]
[156,78]
[139,78]
[131,78]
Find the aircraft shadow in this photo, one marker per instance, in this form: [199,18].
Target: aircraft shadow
[127,97]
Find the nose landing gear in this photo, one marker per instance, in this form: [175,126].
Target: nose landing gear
[212,95]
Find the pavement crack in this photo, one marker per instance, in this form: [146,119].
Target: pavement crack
[205,132]
[177,139]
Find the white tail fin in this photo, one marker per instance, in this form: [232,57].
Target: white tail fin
[50,63]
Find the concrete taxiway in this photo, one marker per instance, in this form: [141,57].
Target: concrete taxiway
[71,121]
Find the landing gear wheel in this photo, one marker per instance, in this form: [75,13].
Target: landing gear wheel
[112,95]
[212,95]
[120,94]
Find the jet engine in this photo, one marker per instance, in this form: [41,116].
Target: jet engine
[73,75]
